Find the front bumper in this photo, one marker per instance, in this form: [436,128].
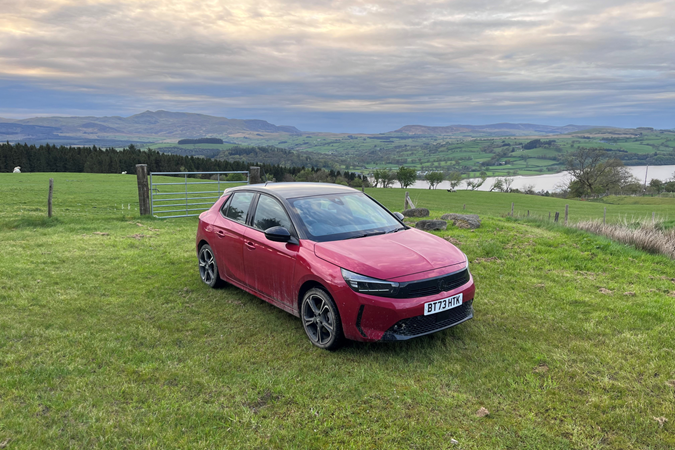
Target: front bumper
[421,325]
[370,318]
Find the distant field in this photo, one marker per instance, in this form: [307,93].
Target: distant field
[498,156]
[108,339]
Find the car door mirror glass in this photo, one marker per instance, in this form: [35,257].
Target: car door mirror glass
[277,234]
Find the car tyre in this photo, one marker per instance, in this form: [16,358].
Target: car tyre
[208,268]
[321,319]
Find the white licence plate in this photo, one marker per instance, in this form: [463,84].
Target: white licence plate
[442,305]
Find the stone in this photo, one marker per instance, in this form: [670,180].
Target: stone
[416,212]
[429,225]
[463,220]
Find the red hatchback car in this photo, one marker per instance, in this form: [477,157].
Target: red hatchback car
[337,259]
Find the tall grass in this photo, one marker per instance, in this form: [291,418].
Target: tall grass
[644,234]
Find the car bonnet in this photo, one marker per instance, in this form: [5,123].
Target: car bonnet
[390,256]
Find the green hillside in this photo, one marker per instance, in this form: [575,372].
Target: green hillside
[494,155]
[108,339]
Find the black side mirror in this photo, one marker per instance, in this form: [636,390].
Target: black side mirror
[277,234]
[399,216]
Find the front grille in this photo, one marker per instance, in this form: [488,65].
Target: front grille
[421,325]
[433,286]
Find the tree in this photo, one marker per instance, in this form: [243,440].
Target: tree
[657,185]
[475,183]
[455,178]
[434,179]
[406,176]
[498,185]
[389,178]
[378,175]
[593,169]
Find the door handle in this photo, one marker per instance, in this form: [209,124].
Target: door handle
[250,245]
[220,233]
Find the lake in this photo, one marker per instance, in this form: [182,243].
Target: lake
[549,182]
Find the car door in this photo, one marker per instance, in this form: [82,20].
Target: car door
[230,228]
[270,265]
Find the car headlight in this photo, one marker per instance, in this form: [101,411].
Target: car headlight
[367,285]
[467,261]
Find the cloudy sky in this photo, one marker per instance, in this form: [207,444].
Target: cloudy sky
[343,65]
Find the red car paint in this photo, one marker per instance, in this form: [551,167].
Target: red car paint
[280,272]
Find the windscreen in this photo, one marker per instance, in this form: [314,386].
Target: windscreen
[343,216]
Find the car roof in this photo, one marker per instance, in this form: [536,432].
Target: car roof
[296,189]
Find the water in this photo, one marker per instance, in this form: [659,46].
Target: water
[550,182]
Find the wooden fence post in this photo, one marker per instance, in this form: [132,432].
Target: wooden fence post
[549,216]
[557,214]
[566,213]
[464,207]
[254,175]
[528,213]
[604,217]
[143,189]
[49,198]
[511,209]
[407,203]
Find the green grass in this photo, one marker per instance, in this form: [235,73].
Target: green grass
[108,339]
[440,201]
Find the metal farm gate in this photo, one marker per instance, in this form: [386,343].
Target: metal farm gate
[188,197]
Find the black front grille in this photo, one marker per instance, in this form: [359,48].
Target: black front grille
[421,325]
[433,286]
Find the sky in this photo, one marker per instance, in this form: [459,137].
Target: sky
[344,66]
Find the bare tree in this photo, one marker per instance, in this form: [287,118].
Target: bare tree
[592,167]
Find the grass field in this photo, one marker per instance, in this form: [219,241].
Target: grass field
[501,155]
[108,339]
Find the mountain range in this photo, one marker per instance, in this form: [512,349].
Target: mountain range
[149,126]
[167,126]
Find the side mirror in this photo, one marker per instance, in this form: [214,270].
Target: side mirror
[399,216]
[277,234]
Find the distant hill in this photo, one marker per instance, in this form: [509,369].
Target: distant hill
[496,129]
[149,126]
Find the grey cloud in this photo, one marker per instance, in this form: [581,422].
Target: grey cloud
[568,58]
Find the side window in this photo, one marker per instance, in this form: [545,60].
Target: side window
[270,213]
[239,205]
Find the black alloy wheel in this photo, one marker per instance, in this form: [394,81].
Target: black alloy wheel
[208,269]
[321,319]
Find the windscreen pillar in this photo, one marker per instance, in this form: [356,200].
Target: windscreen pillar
[143,189]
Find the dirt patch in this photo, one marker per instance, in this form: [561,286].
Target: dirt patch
[661,421]
[262,401]
[605,291]
[541,368]
[482,412]
[453,241]
[138,237]
[100,233]
[629,294]
[490,259]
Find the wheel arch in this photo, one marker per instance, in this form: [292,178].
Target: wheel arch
[306,286]
[201,244]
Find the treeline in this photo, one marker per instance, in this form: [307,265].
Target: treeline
[200,141]
[52,158]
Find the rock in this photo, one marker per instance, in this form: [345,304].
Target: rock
[428,225]
[463,220]
[416,212]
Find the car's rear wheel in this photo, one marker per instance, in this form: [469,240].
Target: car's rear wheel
[321,319]
[208,269]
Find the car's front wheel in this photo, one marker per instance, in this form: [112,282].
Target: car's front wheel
[208,269]
[321,319]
